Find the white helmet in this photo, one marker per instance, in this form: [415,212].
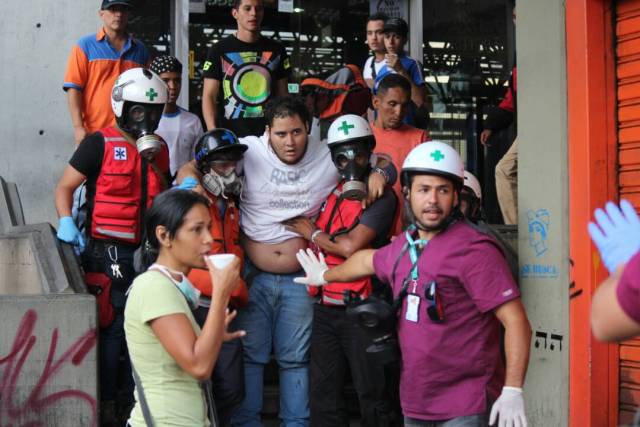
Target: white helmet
[434,158]
[138,85]
[350,128]
[471,182]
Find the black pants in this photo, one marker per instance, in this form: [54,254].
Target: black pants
[338,344]
[228,374]
[116,381]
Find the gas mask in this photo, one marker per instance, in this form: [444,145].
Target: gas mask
[225,185]
[141,121]
[353,164]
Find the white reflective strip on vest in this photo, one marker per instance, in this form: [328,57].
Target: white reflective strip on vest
[118,234]
[114,139]
[333,301]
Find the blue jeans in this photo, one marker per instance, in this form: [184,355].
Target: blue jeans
[278,316]
[480,420]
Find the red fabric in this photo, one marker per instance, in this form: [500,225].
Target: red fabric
[116,209]
[346,215]
[508,101]
[226,235]
[99,285]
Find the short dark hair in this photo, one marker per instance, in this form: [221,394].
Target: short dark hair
[393,80]
[236,4]
[378,16]
[168,209]
[286,106]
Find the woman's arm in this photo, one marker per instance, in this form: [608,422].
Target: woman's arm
[197,355]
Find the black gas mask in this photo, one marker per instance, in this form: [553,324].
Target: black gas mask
[141,121]
[352,160]
[377,318]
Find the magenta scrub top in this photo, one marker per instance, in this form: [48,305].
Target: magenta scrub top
[454,368]
[628,290]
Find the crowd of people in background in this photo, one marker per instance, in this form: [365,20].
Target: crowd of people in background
[360,253]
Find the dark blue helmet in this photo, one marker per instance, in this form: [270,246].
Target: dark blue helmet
[218,144]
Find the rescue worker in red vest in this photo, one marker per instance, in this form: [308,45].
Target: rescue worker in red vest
[342,228]
[217,154]
[125,167]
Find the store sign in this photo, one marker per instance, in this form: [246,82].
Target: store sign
[391,8]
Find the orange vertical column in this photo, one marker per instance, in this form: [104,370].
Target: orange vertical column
[593,383]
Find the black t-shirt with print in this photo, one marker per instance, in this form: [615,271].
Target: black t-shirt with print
[247,73]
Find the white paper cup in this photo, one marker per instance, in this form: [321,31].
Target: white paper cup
[220,261]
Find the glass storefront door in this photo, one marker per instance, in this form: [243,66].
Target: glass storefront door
[468,54]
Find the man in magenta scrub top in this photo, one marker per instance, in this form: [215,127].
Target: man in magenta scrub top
[453,289]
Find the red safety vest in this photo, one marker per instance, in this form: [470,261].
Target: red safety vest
[226,234]
[116,207]
[339,216]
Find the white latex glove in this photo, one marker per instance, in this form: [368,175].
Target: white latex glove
[314,268]
[509,409]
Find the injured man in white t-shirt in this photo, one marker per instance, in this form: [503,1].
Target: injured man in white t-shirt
[287,173]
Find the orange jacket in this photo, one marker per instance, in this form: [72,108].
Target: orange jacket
[226,239]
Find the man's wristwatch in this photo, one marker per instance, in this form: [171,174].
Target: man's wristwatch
[382,172]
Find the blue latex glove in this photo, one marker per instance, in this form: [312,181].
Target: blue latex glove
[68,232]
[189,183]
[617,234]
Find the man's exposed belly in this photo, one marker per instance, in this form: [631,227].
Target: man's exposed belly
[279,258]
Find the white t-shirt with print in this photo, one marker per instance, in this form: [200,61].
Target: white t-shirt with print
[181,131]
[275,191]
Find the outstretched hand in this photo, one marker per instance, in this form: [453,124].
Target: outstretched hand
[313,266]
[616,233]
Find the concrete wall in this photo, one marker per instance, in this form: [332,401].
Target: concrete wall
[37,139]
[48,361]
[543,205]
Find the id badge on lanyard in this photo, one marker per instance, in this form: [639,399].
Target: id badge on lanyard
[413,304]
[413,299]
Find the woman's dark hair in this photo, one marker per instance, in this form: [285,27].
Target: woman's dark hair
[168,209]
[286,106]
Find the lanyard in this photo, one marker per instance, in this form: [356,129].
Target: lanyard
[410,246]
[413,253]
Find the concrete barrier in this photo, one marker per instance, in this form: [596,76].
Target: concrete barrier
[48,333]
[11,213]
[34,261]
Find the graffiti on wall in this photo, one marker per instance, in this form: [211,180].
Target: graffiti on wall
[538,227]
[27,408]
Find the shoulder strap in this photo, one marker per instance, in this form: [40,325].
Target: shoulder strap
[161,177]
[207,389]
[143,400]
[373,67]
